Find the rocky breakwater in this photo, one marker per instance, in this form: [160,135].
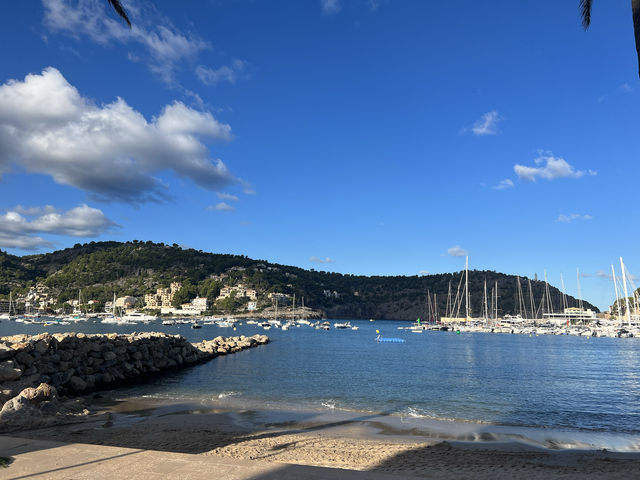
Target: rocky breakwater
[40,374]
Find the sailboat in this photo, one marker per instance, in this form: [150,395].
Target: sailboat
[303,320]
[7,316]
[113,318]
[275,322]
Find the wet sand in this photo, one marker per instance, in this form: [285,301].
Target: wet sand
[345,440]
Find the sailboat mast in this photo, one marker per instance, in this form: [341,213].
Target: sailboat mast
[458,300]
[615,287]
[547,293]
[496,303]
[519,293]
[533,314]
[435,307]
[626,294]
[486,302]
[580,294]
[466,287]
[427,307]
[564,294]
[493,302]
[294,307]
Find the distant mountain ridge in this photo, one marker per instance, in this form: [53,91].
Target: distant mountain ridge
[136,268]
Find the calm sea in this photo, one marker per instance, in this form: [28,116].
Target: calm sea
[584,390]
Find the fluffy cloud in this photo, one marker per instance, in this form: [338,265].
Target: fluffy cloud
[487,124]
[457,251]
[549,167]
[110,151]
[32,211]
[321,260]
[226,73]
[163,46]
[222,207]
[504,184]
[18,231]
[227,196]
[330,6]
[23,242]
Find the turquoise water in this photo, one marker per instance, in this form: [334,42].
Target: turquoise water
[581,385]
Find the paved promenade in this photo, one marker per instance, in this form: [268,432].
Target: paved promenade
[35,459]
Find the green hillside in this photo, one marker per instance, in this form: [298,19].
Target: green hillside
[135,268]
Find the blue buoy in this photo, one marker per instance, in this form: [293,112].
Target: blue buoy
[389,340]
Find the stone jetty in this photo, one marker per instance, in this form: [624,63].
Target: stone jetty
[37,371]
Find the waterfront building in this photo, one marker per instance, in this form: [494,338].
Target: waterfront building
[163,298]
[126,302]
[239,290]
[282,298]
[571,315]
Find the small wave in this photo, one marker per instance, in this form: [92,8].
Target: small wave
[229,394]
[330,404]
[415,412]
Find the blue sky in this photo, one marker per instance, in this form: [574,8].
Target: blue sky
[357,136]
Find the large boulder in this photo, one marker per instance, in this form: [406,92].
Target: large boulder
[9,371]
[6,351]
[38,407]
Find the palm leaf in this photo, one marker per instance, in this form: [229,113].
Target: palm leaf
[117,6]
[585,11]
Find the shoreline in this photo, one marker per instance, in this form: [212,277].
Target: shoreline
[371,425]
[339,439]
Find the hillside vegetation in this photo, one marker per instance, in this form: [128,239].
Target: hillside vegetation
[135,268]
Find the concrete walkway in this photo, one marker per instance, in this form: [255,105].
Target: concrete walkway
[33,459]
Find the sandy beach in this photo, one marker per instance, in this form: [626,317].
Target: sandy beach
[328,439]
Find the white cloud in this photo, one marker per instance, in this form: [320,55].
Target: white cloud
[321,260]
[330,6]
[110,151]
[568,218]
[23,242]
[423,272]
[32,211]
[18,231]
[227,196]
[247,188]
[603,274]
[163,46]
[504,184]
[457,251]
[487,124]
[222,207]
[226,73]
[549,167]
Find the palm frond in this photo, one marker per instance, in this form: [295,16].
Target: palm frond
[585,12]
[635,10]
[117,6]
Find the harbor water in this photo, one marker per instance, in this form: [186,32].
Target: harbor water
[562,391]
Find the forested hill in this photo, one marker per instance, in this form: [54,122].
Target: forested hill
[135,268]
